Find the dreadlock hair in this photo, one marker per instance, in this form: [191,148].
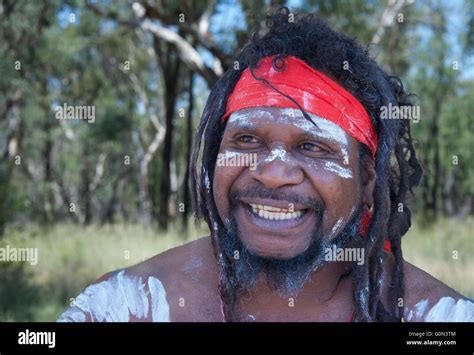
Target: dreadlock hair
[309,38]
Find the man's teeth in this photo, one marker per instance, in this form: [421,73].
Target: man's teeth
[274,213]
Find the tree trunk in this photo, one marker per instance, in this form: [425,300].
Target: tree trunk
[47,156]
[145,158]
[170,69]
[85,188]
[189,138]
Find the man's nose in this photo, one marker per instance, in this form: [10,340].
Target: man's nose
[277,169]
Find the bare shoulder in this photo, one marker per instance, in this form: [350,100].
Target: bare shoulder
[147,291]
[430,300]
[170,262]
[176,268]
[420,284]
[189,277]
[189,258]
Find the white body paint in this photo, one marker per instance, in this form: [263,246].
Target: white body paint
[419,310]
[445,310]
[119,298]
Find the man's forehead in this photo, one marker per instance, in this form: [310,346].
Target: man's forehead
[253,117]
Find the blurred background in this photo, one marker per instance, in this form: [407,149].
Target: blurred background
[96,195]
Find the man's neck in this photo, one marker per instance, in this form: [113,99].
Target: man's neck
[325,286]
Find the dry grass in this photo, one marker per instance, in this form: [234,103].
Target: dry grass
[444,249]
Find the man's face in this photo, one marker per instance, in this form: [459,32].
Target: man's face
[300,176]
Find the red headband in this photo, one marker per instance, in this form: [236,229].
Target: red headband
[313,91]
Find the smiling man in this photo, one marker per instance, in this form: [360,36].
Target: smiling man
[304,188]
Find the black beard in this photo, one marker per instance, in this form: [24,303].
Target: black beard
[285,276]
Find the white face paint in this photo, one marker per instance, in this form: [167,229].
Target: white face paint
[337,225]
[345,173]
[277,153]
[118,298]
[328,130]
[445,310]
[325,129]
[241,119]
[352,210]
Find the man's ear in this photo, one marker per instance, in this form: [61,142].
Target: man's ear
[367,175]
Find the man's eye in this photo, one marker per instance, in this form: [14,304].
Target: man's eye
[247,139]
[311,147]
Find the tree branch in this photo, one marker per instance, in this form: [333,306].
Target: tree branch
[190,56]
[388,17]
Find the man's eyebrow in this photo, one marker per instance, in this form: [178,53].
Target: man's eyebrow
[241,125]
[315,135]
